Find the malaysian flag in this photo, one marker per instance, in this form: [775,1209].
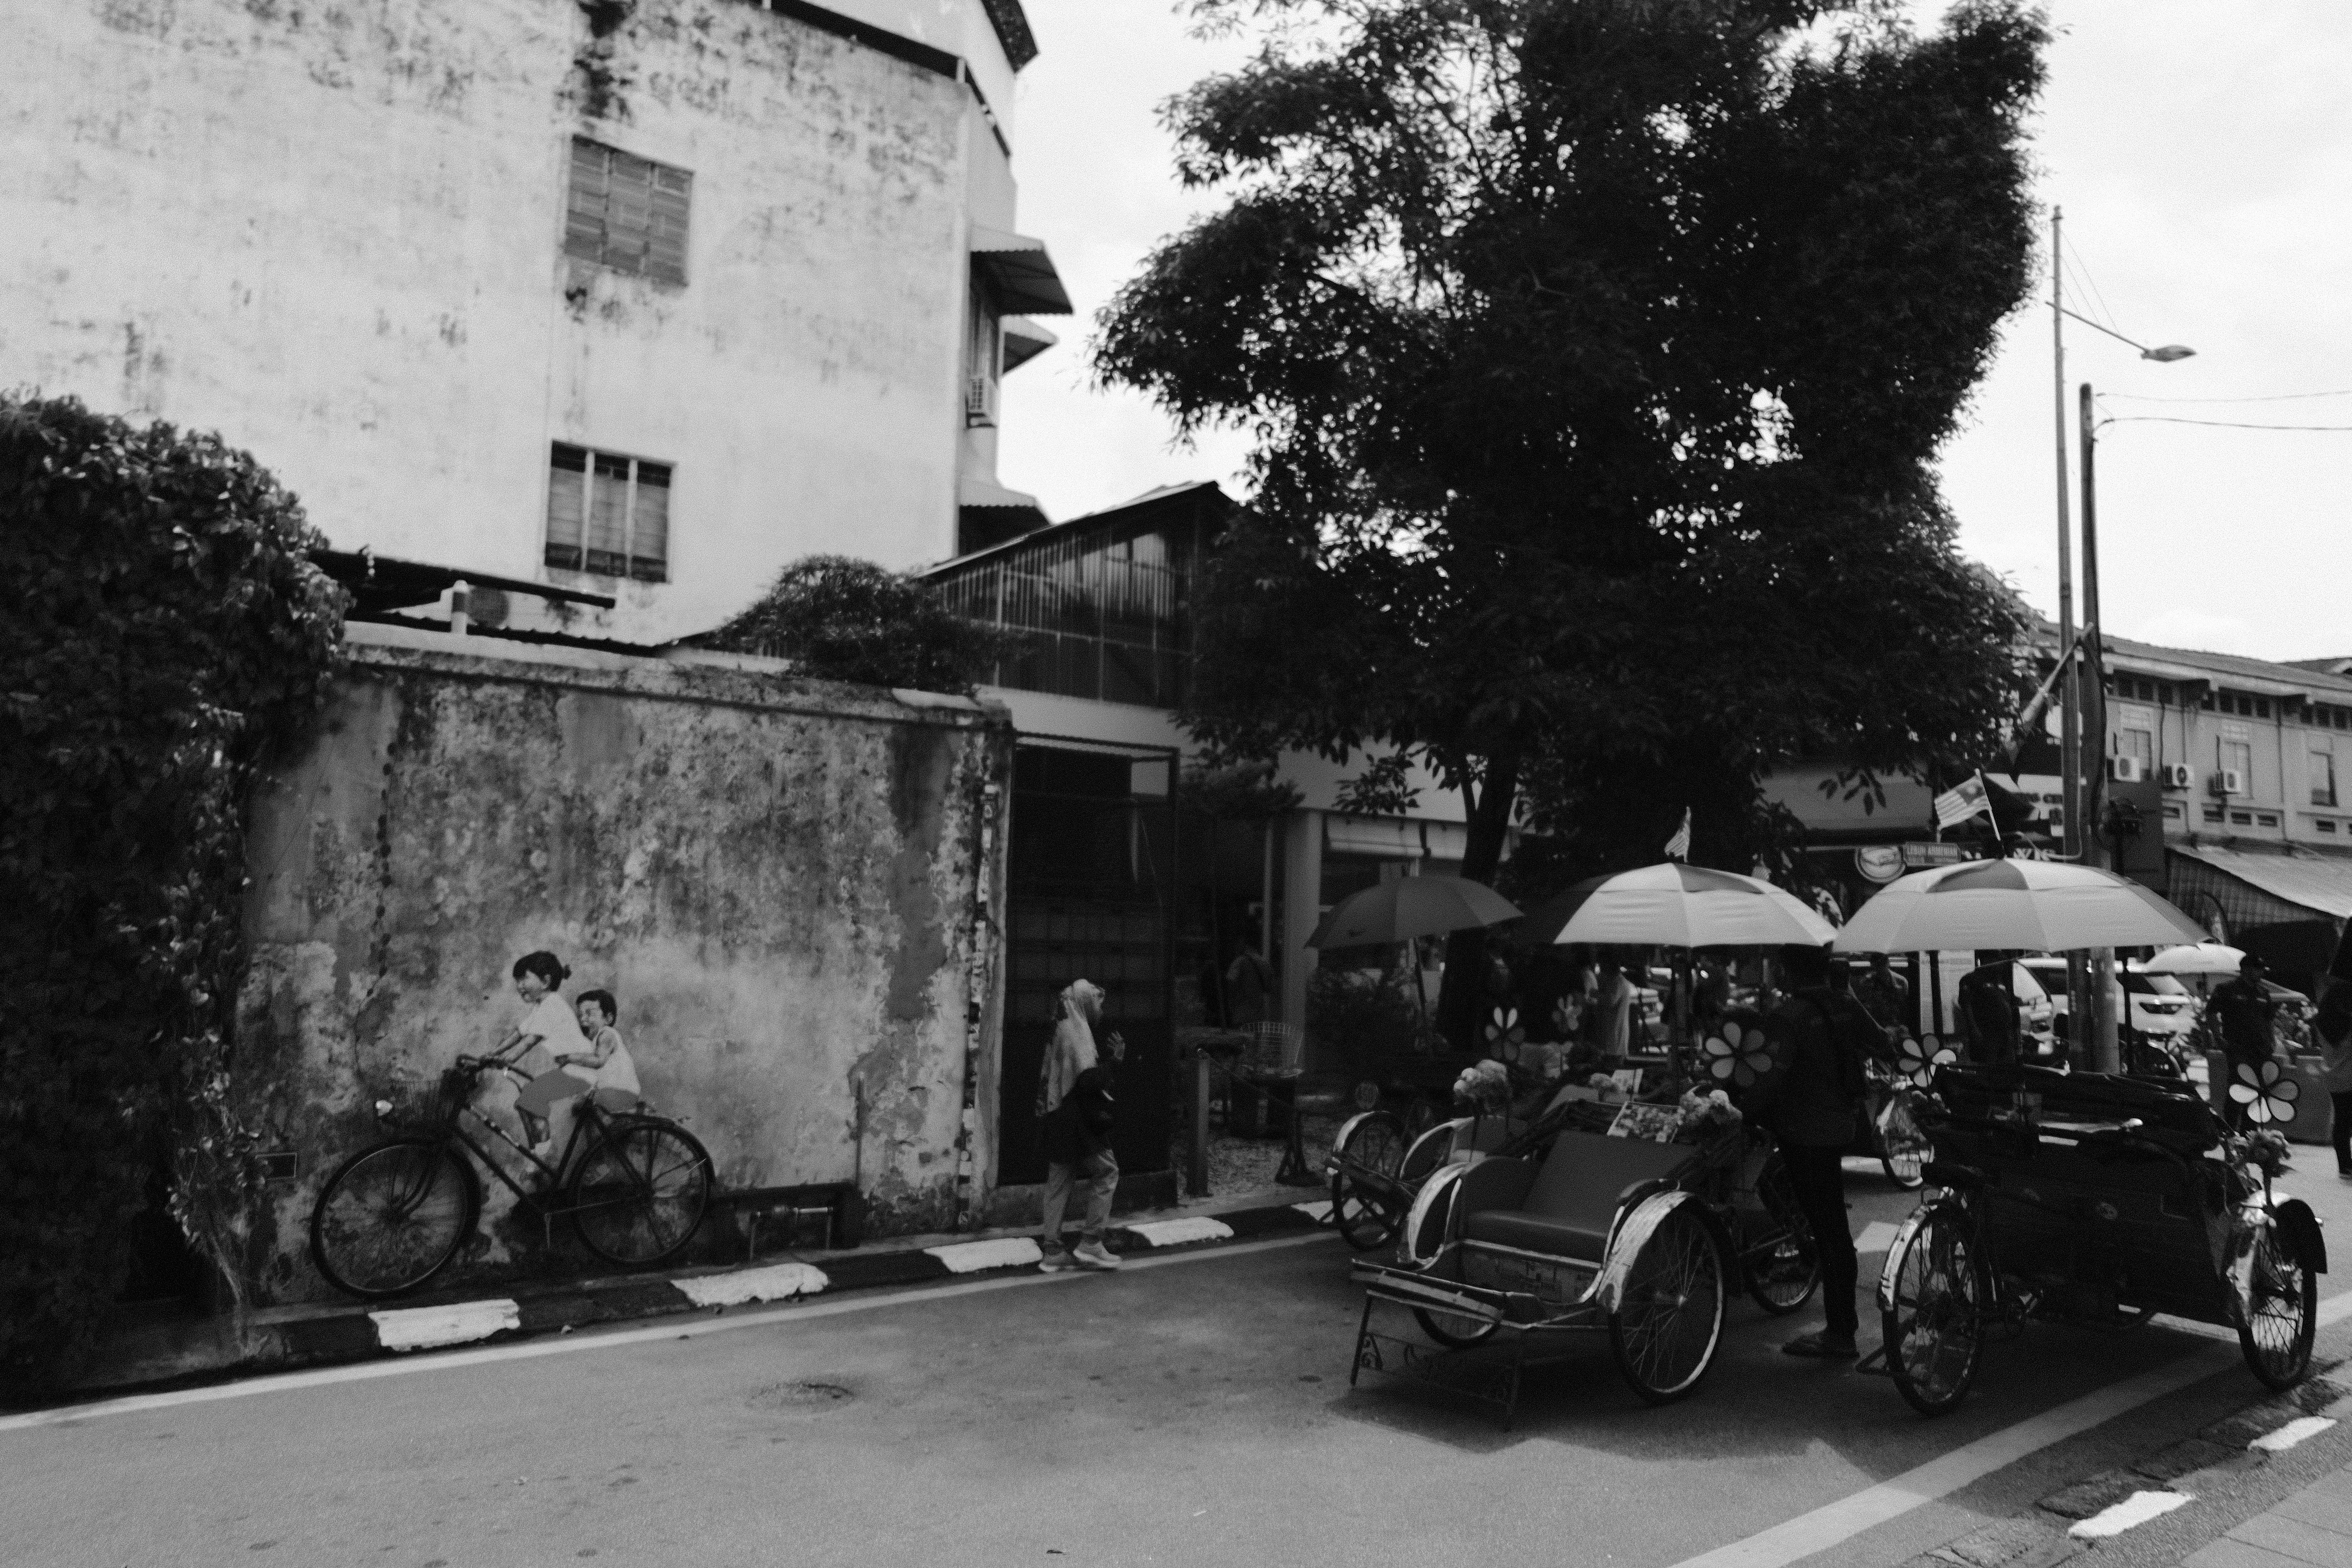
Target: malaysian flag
[1678,847]
[1962,801]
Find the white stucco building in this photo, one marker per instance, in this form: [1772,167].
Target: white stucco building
[645,297]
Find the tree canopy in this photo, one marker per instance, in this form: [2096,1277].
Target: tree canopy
[840,618]
[1597,353]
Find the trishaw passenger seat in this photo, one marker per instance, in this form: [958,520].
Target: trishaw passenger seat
[1575,1197]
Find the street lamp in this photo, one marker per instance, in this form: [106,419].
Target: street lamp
[2081,793]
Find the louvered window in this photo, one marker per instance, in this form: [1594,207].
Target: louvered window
[607,514]
[627,213]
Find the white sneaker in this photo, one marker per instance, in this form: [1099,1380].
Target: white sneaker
[1057,1261]
[1095,1255]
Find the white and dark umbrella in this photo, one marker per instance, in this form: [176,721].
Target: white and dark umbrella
[2196,958]
[1674,905]
[2043,906]
[1411,907]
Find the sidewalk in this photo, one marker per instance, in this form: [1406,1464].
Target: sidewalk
[2313,1526]
[192,1350]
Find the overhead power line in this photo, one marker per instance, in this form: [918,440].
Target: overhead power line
[2225,424]
[2270,397]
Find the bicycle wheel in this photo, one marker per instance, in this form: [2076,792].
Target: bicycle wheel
[1375,1143]
[1934,1330]
[1669,1317]
[1782,1278]
[1454,1329]
[392,1216]
[2278,1317]
[640,1192]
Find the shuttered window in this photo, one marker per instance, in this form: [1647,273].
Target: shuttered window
[607,514]
[626,213]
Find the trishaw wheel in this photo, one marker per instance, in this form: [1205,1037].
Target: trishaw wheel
[1782,1277]
[1669,1316]
[2280,1313]
[1934,1330]
[1455,1329]
[1374,1142]
[1431,1147]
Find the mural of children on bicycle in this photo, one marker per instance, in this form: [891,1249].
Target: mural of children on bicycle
[584,1045]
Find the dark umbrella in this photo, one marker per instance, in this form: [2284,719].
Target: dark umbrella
[1411,907]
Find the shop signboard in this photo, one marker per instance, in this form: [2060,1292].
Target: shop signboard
[1915,856]
[1879,862]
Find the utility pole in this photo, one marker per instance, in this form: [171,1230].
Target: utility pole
[2106,1052]
[2079,1003]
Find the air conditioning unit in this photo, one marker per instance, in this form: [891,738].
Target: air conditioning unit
[2179,775]
[2229,781]
[2126,770]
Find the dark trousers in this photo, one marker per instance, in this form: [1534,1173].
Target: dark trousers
[1820,1183]
[2340,1129]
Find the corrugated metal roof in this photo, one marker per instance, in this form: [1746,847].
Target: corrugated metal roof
[2267,676]
[2321,884]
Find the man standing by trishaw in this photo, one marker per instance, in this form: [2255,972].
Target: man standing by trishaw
[1813,1104]
[2247,1020]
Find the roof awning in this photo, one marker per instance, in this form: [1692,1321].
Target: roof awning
[1024,340]
[383,582]
[1023,274]
[973,491]
[1381,838]
[2321,884]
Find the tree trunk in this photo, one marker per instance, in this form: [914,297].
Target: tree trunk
[1460,998]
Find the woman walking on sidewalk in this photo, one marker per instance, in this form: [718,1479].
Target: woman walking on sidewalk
[1075,1111]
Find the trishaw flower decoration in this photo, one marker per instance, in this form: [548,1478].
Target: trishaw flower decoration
[1504,1034]
[1568,1015]
[2267,1094]
[1737,1053]
[1918,1060]
[1486,1086]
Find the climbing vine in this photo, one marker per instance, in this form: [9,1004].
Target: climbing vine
[165,630]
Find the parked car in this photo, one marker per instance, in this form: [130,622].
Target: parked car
[2153,1004]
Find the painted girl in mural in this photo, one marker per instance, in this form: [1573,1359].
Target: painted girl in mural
[547,1023]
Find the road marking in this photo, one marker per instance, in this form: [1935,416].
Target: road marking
[1177,1232]
[429,1328]
[972,1257]
[1848,1517]
[2137,1509]
[2294,1432]
[669,1329]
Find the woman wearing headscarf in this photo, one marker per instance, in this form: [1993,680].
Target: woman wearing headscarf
[1075,1112]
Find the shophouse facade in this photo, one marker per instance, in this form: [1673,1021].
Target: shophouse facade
[643,298]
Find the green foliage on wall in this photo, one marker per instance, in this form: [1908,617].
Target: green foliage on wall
[164,630]
[839,618]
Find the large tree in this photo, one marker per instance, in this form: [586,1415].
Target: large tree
[1597,352]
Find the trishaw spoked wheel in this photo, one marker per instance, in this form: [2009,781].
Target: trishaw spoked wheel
[1935,1329]
[1431,1147]
[1374,1142]
[2279,1315]
[1782,1279]
[1453,1329]
[1669,1316]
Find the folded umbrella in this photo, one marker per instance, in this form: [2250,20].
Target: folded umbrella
[1674,905]
[2037,906]
[1411,907]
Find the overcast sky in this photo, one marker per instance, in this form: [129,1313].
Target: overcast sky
[2203,156]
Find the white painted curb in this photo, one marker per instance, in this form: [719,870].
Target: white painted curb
[778,1283]
[970,1256]
[422,1328]
[1319,1210]
[1177,1232]
[2137,1509]
[2294,1432]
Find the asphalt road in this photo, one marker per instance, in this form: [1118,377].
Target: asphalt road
[1195,1411]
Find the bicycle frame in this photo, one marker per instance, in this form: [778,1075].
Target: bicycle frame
[591,1121]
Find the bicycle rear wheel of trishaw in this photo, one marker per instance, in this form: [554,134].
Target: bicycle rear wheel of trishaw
[392,1216]
[1935,1332]
[1783,1279]
[640,1193]
[2276,1323]
[1374,1142]
[1669,1316]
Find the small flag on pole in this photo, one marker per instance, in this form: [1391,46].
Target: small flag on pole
[1962,801]
[1678,847]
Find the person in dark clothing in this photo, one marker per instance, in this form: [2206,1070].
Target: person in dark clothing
[1988,1008]
[1813,1104]
[1885,995]
[2247,1021]
[2334,1027]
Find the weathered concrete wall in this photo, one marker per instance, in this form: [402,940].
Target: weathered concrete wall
[335,234]
[776,878]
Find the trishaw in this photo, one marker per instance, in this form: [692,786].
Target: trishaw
[2096,1200]
[1633,1220]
